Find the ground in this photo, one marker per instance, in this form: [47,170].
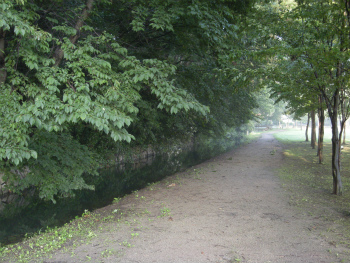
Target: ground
[232,208]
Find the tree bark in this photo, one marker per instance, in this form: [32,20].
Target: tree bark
[344,107]
[59,54]
[344,137]
[3,71]
[307,128]
[321,118]
[333,113]
[313,129]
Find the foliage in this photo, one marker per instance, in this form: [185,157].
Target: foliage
[269,110]
[59,169]
[310,60]
[80,77]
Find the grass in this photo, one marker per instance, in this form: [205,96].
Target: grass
[164,212]
[85,230]
[310,185]
[298,135]
[52,239]
[81,230]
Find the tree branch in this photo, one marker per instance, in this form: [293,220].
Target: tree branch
[59,54]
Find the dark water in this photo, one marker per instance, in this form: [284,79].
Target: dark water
[110,184]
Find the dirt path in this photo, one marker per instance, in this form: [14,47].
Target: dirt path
[229,209]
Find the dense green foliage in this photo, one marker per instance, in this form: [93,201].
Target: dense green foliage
[80,77]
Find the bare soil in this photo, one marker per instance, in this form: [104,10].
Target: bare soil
[232,208]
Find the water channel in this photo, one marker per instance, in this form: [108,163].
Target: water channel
[111,183]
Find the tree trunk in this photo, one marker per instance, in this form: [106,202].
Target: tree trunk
[344,129]
[333,113]
[320,131]
[59,54]
[313,129]
[337,184]
[307,128]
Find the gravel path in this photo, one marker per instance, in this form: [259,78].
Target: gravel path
[229,209]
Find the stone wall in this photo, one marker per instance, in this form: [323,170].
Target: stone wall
[6,196]
[137,158]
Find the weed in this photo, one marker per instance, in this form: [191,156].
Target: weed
[196,172]
[134,235]
[86,213]
[116,200]
[106,253]
[164,212]
[151,186]
[146,211]
[126,244]
[136,194]
[51,239]
[91,234]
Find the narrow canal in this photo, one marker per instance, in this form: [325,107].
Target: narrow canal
[111,183]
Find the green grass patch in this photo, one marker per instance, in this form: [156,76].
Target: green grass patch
[310,186]
[298,135]
[46,242]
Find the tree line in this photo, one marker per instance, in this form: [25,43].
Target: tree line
[309,66]
[80,78]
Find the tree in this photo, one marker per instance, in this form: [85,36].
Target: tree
[321,118]
[313,129]
[329,63]
[313,56]
[318,41]
[307,128]
[113,70]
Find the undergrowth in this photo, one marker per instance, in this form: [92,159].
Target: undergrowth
[44,243]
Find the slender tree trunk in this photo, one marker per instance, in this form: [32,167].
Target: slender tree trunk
[59,54]
[333,113]
[3,71]
[344,129]
[344,107]
[307,128]
[321,118]
[333,104]
[313,129]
